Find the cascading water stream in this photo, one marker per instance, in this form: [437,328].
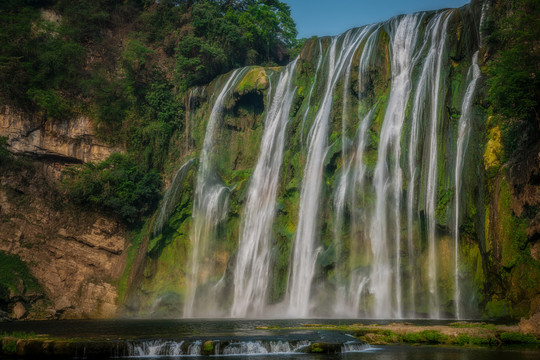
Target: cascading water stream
[358,282]
[402,46]
[252,270]
[340,197]
[304,252]
[462,142]
[431,186]
[211,196]
[352,177]
[423,90]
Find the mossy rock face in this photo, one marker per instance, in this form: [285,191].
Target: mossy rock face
[255,80]
[492,239]
[323,348]
[497,309]
[208,348]
[493,156]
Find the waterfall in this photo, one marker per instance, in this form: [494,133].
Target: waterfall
[431,186]
[252,270]
[211,197]
[368,240]
[358,281]
[351,179]
[340,197]
[423,90]
[304,251]
[402,47]
[462,142]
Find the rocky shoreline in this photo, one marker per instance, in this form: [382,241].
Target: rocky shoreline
[454,334]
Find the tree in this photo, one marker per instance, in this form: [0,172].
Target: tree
[267,22]
[515,73]
[118,184]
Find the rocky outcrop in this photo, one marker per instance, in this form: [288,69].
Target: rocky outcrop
[67,141]
[75,254]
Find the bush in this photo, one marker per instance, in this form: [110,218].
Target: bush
[464,339]
[9,347]
[518,338]
[426,336]
[118,184]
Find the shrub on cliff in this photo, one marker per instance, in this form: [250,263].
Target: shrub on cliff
[119,184]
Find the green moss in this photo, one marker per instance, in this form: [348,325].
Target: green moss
[136,238]
[472,325]
[494,153]
[12,271]
[256,79]
[19,334]
[208,348]
[518,338]
[513,229]
[9,347]
[497,309]
[445,197]
[426,336]
[464,340]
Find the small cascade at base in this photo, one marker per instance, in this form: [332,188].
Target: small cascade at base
[225,347]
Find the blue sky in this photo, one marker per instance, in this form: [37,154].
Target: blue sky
[332,17]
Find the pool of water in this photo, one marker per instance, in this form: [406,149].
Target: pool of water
[172,328]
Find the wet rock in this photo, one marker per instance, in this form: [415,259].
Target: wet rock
[208,348]
[531,325]
[323,348]
[19,311]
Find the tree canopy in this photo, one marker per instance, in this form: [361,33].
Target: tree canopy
[515,72]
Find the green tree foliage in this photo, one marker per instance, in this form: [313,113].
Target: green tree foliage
[39,67]
[86,21]
[267,24]
[515,77]
[127,65]
[119,184]
[215,36]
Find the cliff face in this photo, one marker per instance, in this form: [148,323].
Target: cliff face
[68,141]
[473,228]
[75,254]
